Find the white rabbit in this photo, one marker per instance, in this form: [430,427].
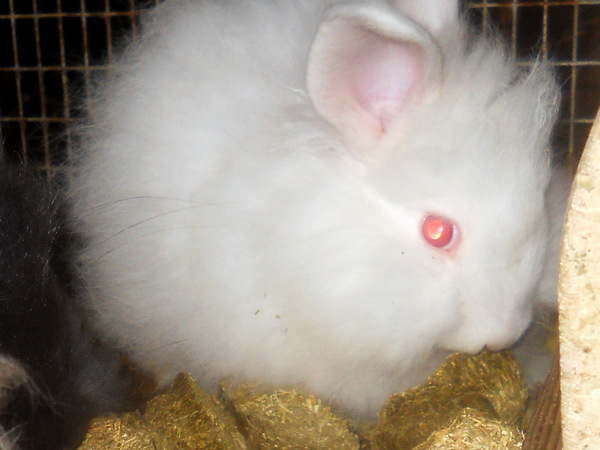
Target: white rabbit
[333,195]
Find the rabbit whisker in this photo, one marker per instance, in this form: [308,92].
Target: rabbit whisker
[149,234]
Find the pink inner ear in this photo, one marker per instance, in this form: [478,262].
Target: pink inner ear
[363,70]
[382,73]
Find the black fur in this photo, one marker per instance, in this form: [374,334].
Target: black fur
[73,376]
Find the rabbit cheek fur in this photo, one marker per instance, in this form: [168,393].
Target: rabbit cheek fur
[256,178]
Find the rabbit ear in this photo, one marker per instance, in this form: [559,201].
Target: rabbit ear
[433,15]
[366,67]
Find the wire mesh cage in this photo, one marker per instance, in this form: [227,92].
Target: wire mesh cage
[50,48]
[567,33]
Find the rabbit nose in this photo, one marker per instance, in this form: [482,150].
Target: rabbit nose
[510,334]
[501,344]
[474,340]
[496,347]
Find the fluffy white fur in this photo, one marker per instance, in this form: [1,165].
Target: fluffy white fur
[252,207]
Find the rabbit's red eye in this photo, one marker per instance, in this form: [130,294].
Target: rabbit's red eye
[439,231]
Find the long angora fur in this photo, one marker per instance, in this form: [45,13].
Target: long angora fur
[255,176]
